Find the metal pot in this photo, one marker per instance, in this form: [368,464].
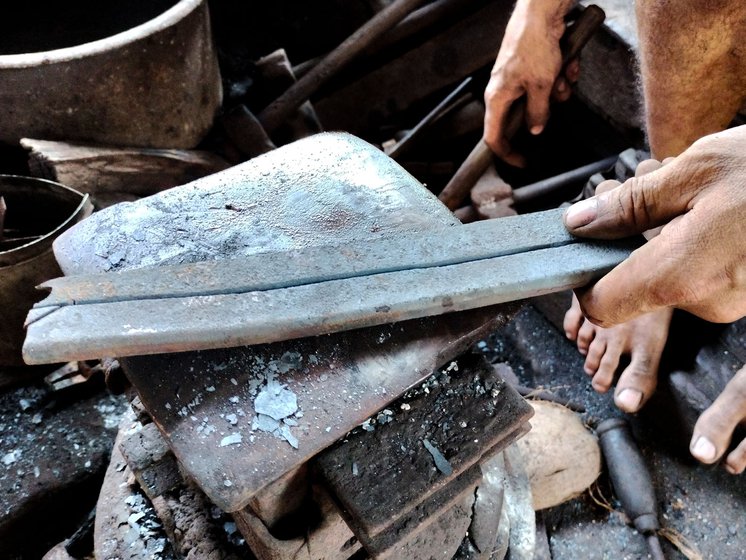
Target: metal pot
[123,72]
[44,209]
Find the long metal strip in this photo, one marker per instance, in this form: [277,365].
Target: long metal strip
[175,324]
[420,250]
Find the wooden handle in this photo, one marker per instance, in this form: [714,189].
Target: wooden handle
[575,38]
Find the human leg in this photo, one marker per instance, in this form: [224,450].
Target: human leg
[693,69]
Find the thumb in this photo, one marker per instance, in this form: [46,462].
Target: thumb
[639,204]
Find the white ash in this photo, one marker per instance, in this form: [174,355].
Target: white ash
[276,401]
[145,526]
[231,440]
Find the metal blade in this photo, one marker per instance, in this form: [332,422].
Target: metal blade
[309,292]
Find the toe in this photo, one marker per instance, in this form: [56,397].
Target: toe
[735,462]
[596,352]
[573,320]
[637,382]
[604,378]
[586,334]
[714,428]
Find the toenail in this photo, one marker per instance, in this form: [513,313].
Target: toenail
[629,400]
[704,450]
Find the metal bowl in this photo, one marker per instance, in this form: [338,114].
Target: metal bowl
[43,210]
[126,73]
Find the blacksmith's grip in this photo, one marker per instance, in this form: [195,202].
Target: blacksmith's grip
[479,159]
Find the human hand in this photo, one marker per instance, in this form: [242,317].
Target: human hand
[529,62]
[698,261]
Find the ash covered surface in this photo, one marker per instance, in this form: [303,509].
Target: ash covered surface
[53,455]
[703,504]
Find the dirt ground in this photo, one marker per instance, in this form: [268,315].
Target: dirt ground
[701,505]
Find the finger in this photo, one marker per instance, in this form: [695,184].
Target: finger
[636,286]
[641,203]
[643,168]
[497,100]
[607,185]
[537,105]
[496,113]
[647,166]
[561,90]
[572,70]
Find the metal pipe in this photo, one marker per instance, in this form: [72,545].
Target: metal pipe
[545,187]
[277,112]
[437,113]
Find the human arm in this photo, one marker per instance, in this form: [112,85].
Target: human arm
[698,261]
[529,62]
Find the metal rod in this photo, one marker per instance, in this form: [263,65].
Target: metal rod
[419,20]
[438,112]
[277,112]
[3,208]
[547,186]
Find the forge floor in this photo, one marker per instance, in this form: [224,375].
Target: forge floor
[701,505]
[61,474]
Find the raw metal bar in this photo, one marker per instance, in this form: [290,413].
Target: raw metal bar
[310,265]
[437,112]
[199,322]
[551,184]
[3,208]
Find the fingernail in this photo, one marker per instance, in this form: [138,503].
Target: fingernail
[629,400]
[536,130]
[704,450]
[562,87]
[581,213]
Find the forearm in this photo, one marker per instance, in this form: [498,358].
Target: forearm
[548,12]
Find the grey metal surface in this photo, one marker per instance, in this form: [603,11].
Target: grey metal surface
[309,265]
[329,187]
[257,316]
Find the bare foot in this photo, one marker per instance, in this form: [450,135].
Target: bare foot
[715,427]
[642,339]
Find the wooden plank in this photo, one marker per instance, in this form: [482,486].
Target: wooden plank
[107,172]
[381,476]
